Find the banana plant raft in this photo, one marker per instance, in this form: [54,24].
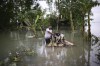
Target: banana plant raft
[66,43]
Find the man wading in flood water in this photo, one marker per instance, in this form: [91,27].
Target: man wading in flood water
[48,35]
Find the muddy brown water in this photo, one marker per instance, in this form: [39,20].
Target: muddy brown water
[82,54]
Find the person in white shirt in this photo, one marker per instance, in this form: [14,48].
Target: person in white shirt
[48,34]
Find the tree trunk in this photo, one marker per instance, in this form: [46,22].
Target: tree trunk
[57,24]
[58,17]
[72,25]
[83,24]
[89,29]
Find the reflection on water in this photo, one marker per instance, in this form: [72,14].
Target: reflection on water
[19,42]
[51,56]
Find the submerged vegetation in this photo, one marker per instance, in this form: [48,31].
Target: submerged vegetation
[17,56]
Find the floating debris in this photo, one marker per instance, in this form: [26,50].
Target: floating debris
[29,52]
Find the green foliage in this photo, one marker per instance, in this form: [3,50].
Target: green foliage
[21,13]
[18,11]
[9,10]
[13,12]
[78,8]
[51,20]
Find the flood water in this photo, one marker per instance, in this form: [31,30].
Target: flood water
[18,41]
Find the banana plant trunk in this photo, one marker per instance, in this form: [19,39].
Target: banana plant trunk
[71,20]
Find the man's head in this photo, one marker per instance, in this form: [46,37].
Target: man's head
[50,27]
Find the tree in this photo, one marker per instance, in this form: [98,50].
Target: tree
[9,10]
